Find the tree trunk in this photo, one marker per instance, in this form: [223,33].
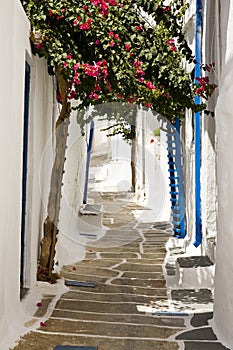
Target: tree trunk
[48,242]
[133,152]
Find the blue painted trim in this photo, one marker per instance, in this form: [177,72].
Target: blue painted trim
[89,149]
[24,168]
[197,127]
[176,179]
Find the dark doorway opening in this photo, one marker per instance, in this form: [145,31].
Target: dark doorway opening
[24,175]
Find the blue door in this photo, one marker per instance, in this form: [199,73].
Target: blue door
[25,165]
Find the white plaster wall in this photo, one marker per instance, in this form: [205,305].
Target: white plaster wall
[208,169]
[43,111]
[70,245]
[189,184]
[101,142]
[13,38]
[152,188]
[15,48]
[223,305]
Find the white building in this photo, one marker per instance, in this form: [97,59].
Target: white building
[216,170]
[29,110]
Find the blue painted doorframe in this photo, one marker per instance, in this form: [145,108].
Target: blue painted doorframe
[197,126]
[25,165]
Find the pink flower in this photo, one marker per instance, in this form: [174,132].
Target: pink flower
[116,36]
[85,7]
[149,85]
[63,10]
[91,70]
[97,88]
[111,43]
[140,72]
[69,57]
[93,96]
[97,42]
[75,23]
[127,47]
[137,64]
[39,46]
[86,26]
[199,91]
[139,27]
[112,2]
[111,33]
[51,13]
[171,41]
[105,73]
[141,80]
[148,105]
[173,48]
[65,64]
[72,94]
[76,66]
[96,2]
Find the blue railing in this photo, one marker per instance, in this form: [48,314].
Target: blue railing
[176,178]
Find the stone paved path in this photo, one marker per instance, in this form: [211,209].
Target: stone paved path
[127,267]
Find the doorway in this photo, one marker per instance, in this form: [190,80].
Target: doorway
[24,175]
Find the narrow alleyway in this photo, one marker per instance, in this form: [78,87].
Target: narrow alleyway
[126,306]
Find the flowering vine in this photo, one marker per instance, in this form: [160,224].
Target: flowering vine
[116,50]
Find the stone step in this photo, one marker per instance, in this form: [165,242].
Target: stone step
[195,272]
[102,329]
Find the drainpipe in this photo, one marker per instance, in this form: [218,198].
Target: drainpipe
[197,127]
[89,148]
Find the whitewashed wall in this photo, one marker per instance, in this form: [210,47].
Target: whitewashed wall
[152,188]
[70,246]
[210,49]
[15,48]
[223,306]
[208,153]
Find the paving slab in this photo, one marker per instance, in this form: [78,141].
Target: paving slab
[106,263]
[204,346]
[143,275]
[68,347]
[102,288]
[205,333]
[118,255]
[153,283]
[140,267]
[194,261]
[39,341]
[175,322]
[107,329]
[89,270]
[199,320]
[192,296]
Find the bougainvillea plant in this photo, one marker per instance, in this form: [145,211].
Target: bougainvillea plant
[116,50]
[105,51]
